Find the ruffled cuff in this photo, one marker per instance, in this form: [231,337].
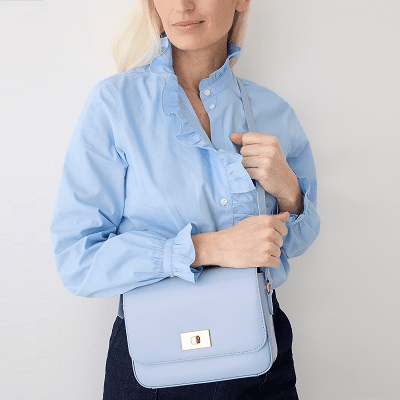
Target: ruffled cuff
[305,186]
[180,254]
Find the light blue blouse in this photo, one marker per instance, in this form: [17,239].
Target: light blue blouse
[138,180]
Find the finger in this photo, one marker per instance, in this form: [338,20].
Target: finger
[275,251]
[252,161]
[277,238]
[283,217]
[259,138]
[280,227]
[258,150]
[273,262]
[251,150]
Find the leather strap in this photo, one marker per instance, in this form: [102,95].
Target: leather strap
[261,193]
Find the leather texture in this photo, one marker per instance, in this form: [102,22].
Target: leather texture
[232,303]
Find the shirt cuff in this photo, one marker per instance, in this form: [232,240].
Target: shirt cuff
[305,186]
[180,254]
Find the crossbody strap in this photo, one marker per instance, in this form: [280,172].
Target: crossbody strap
[261,194]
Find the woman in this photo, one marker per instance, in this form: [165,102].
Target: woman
[145,196]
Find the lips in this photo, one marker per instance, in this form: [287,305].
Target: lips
[187,23]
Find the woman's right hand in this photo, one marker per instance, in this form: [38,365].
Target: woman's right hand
[253,242]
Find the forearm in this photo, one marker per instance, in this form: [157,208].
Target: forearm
[205,245]
[304,228]
[292,201]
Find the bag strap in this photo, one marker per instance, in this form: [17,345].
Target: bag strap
[260,190]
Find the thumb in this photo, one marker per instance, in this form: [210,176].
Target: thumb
[283,217]
[236,137]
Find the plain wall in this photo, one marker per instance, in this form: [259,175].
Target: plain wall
[337,64]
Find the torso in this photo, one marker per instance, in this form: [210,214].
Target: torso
[200,112]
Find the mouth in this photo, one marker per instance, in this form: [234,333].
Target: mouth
[192,23]
[190,27]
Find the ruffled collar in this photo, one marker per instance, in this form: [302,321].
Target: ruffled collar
[162,65]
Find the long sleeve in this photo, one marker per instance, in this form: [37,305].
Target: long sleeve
[91,258]
[303,229]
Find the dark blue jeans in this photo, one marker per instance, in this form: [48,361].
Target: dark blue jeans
[276,384]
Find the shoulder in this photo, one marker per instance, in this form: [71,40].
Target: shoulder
[275,116]
[132,79]
[270,105]
[264,96]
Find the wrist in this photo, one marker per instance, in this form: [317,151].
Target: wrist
[292,200]
[206,248]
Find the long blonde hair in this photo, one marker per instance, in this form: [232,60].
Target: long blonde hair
[137,41]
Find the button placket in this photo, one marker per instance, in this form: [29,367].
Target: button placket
[207,92]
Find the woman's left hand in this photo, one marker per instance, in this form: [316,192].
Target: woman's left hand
[265,161]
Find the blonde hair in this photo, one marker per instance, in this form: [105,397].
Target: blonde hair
[137,40]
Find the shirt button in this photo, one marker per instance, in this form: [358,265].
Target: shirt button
[207,92]
[212,106]
[224,201]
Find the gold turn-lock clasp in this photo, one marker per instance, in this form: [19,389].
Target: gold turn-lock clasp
[195,340]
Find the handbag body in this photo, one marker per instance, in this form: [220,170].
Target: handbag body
[219,328]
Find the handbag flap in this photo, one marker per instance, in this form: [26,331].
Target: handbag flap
[225,301]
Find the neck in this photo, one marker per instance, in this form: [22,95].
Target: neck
[192,66]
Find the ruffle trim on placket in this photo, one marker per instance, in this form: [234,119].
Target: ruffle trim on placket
[244,193]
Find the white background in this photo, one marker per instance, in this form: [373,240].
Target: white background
[336,62]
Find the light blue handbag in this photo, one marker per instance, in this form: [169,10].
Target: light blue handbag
[219,328]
